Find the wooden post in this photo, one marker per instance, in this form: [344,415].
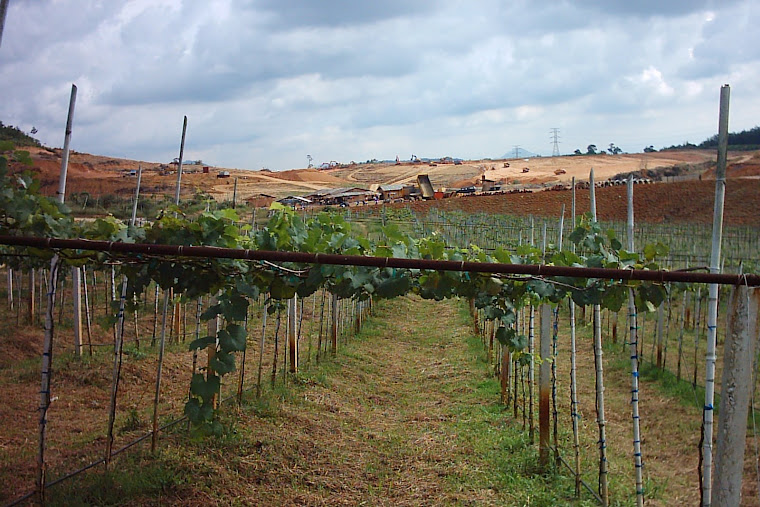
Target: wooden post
[506,361]
[334,329]
[10,288]
[736,390]
[293,334]
[544,385]
[265,311]
[660,333]
[31,296]
[76,278]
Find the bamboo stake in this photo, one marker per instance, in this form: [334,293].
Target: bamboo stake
[634,363]
[712,312]
[697,329]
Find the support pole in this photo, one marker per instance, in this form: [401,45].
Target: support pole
[632,321]
[334,329]
[3,11]
[76,279]
[47,346]
[544,385]
[32,288]
[712,306]
[599,363]
[738,356]
[293,334]
[179,165]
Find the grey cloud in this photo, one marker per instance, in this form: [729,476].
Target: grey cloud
[289,13]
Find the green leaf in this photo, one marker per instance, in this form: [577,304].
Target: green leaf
[193,410]
[505,335]
[202,343]
[232,339]
[614,297]
[222,363]
[543,289]
[204,388]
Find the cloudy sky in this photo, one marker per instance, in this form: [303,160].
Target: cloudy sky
[266,82]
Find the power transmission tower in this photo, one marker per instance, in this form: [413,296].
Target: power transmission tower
[517,151]
[555,140]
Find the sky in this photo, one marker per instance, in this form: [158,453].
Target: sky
[264,83]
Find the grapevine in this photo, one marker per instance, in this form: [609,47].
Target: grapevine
[25,212]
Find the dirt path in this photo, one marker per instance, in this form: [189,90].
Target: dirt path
[385,427]
[406,414]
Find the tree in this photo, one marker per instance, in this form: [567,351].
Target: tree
[649,149]
[577,152]
[614,150]
[591,149]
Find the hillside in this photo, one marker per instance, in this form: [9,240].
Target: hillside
[99,175]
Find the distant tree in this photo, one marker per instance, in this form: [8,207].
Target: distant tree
[16,136]
[649,149]
[577,152]
[591,149]
[614,150]
[749,139]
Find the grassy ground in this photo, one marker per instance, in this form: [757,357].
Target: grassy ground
[407,414]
